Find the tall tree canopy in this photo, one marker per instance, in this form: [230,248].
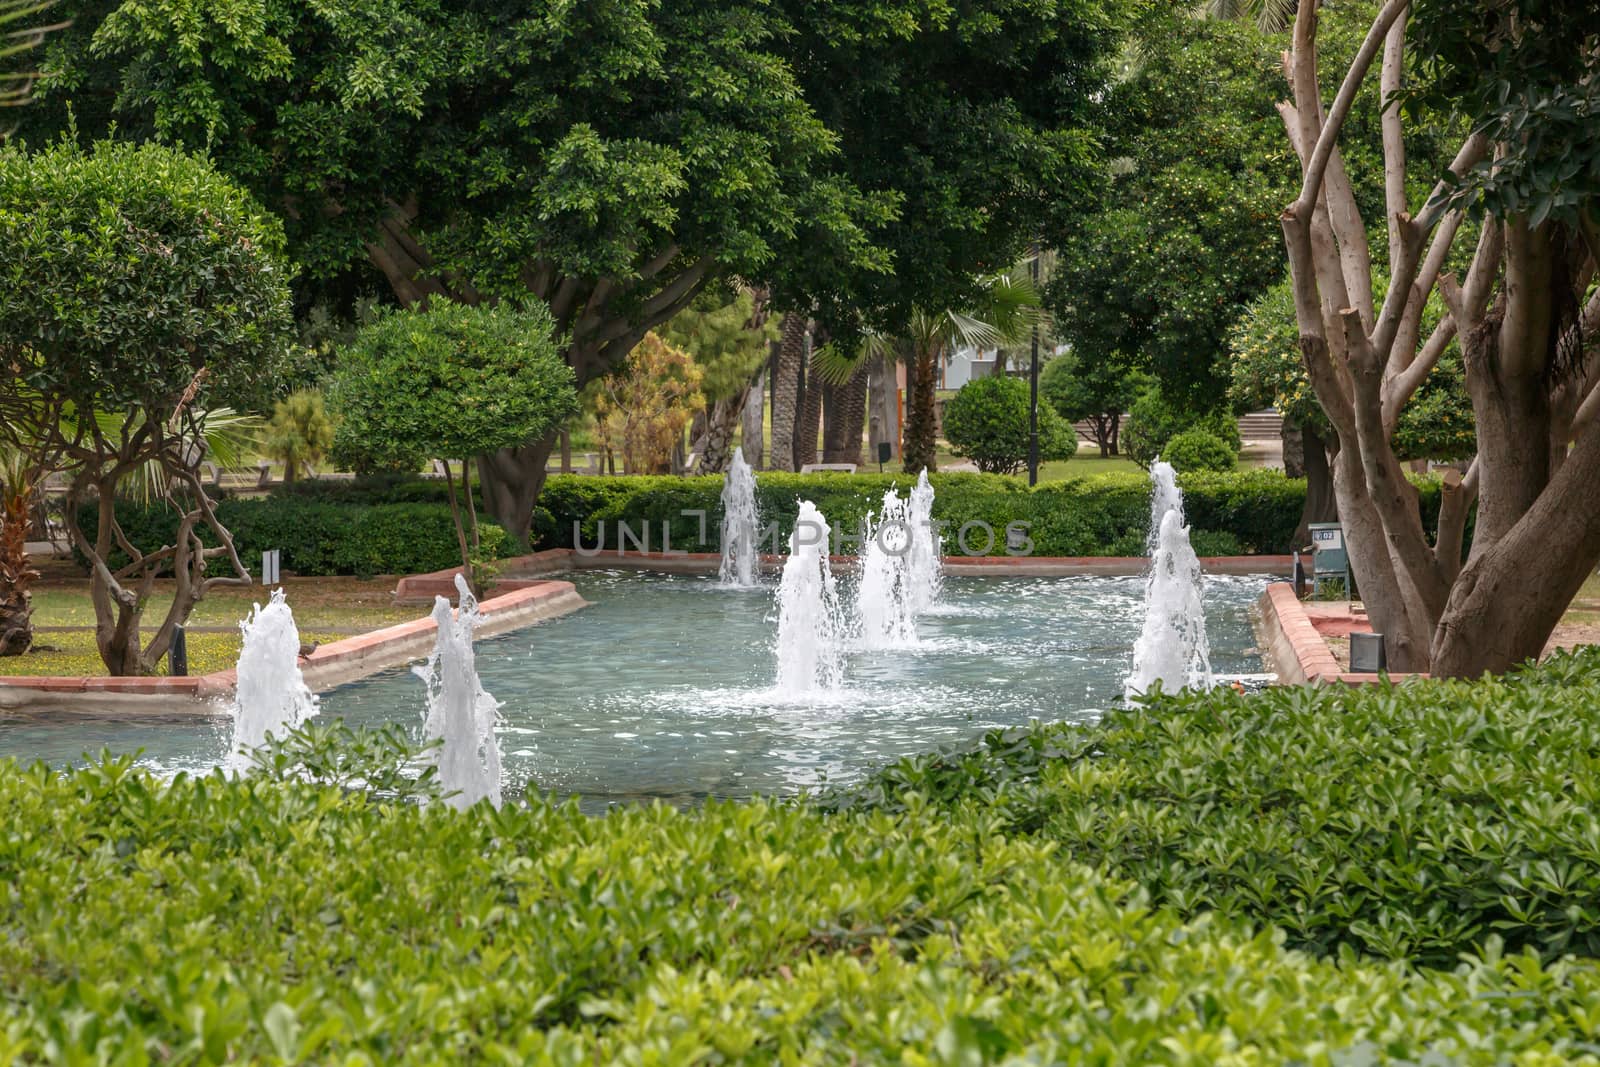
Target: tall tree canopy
[611,158]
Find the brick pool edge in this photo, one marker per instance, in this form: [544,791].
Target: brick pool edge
[333,664]
[1291,640]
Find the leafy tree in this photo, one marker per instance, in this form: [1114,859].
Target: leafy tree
[1153,420]
[1197,450]
[300,432]
[611,160]
[19,35]
[726,333]
[1524,79]
[987,422]
[450,382]
[1099,390]
[644,410]
[138,287]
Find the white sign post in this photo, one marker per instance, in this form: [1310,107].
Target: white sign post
[269,567]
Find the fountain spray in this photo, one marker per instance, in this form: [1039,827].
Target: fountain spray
[460,713]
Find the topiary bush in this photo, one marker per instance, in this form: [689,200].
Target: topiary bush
[987,422]
[1198,450]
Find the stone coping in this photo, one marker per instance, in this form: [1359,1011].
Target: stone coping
[1291,634]
[331,665]
[556,560]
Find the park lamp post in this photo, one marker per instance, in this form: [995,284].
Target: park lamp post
[1033,380]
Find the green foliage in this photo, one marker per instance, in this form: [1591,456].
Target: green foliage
[320,537]
[1415,822]
[1080,387]
[300,432]
[1153,420]
[952,914]
[382,762]
[714,332]
[1266,370]
[987,422]
[125,270]
[450,382]
[1199,450]
[1239,512]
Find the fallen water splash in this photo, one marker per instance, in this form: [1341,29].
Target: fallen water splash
[1171,648]
[271,695]
[885,596]
[739,526]
[922,561]
[809,651]
[461,714]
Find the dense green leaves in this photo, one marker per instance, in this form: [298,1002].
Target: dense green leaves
[987,422]
[449,382]
[1414,822]
[125,270]
[948,916]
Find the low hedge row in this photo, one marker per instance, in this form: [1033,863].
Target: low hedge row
[1230,513]
[1414,822]
[211,920]
[319,538]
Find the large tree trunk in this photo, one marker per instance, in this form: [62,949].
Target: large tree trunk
[16,574]
[753,434]
[511,480]
[921,442]
[846,407]
[1321,503]
[716,444]
[786,390]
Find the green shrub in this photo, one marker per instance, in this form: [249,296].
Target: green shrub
[987,422]
[1099,515]
[203,920]
[1415,822]
[1197,450]
[319,538]
[1153,421]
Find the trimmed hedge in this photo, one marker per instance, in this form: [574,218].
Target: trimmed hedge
[1415,822]
[1230,513]
[320,538]
[940,920]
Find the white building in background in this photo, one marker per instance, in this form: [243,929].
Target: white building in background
[966,364]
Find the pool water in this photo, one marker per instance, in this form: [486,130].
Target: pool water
[662,688]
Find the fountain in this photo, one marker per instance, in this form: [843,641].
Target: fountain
[808,650]
[271,695]
[460,713]
[1172,647]
[922,561]
[885,605]
[739,525]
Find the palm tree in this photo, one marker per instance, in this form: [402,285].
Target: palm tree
[17,37]
[1004,308]
[786,390]
[1271,16]
[19,478]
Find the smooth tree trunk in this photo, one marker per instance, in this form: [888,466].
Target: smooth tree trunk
[511,480]
[921,435]
[1322,503]
[883,406]
[789,366]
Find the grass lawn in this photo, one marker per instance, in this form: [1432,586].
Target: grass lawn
[70,653]
[326,609]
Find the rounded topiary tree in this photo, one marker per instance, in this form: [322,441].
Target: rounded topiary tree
[139,291]
[1198,450]
[987,422]
[1153,420]
[451,382]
